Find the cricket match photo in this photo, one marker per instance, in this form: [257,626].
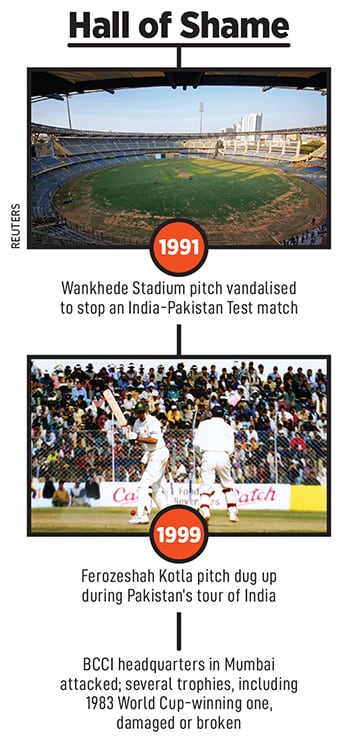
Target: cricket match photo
[114,153]
[243,441]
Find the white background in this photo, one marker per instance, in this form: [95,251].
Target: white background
[45,628]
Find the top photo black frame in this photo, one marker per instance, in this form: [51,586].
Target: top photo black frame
[249,185]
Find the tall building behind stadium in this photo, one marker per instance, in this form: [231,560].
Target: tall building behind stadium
[251,122]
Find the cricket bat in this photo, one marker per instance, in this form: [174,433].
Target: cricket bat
[118,414]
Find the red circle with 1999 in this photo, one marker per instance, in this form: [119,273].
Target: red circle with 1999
[178,533]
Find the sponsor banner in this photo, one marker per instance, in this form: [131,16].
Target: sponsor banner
[124,494]
[250,496]
[304,497]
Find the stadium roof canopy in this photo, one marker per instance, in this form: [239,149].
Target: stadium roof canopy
[45,83]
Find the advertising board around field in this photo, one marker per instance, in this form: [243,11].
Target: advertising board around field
[250,496]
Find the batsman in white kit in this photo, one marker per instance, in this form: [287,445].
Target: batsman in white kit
[215,439]
[148,431]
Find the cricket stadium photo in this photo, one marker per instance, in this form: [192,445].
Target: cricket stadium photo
[241,152]
[113,440]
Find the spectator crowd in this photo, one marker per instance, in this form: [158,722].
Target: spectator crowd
[279,420]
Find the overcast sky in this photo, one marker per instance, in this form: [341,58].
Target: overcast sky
[166,110]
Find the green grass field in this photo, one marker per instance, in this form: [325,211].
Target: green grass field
[115,520]
[235,203]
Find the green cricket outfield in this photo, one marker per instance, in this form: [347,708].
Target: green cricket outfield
[103,520]
[235,203]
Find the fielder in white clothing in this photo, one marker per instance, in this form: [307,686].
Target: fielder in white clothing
[148,432]
[215,439]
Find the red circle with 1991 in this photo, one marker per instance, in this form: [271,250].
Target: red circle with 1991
[178,533]
[179,247]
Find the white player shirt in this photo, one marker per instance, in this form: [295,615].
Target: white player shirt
[214,435]
[150,426]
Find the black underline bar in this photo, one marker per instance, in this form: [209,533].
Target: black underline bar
[109,45]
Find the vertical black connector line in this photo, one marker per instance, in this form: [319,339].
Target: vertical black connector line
[178,57]
[178,632]
[178,340]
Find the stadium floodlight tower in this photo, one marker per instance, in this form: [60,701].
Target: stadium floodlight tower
[68,111]
[201,111]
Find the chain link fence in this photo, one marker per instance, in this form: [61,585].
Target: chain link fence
[277,455]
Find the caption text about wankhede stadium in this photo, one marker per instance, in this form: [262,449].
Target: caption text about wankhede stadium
[138,298]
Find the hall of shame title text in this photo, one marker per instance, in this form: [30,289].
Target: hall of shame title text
[120,24]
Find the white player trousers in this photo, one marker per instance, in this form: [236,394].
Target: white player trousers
[215,462]
[151,478]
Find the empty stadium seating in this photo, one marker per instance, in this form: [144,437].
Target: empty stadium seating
[81,152]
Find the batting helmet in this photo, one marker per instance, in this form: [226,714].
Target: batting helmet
[141,407]
[218,411]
